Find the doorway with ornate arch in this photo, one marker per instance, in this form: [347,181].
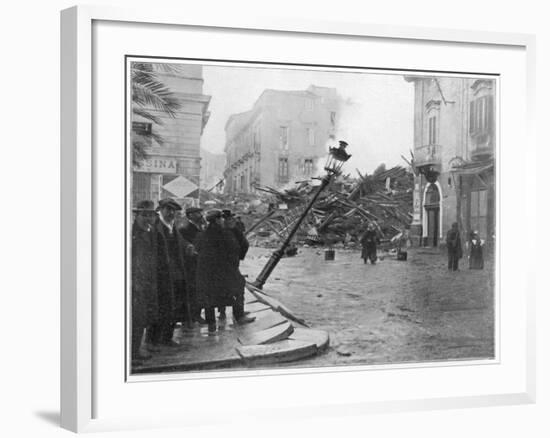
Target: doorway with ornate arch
[432,212]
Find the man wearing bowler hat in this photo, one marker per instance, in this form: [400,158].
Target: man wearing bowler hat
[144,310]
[170,272]
[194,225]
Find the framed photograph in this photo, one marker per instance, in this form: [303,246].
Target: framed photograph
[315,218]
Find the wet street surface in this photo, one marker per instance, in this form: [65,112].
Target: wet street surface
[391,312]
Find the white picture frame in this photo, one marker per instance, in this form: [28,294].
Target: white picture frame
[81,209]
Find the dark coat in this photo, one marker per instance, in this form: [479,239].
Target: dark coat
[189,233]
[476,254]
[145,308]
[170,271]
[369,240]
[242,241]
[219,281]
[454,245]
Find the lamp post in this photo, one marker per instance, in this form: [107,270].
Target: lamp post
[335,160]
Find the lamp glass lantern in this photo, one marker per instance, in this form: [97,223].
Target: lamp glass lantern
[337,156]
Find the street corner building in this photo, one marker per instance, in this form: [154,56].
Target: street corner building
[170,164]
[281,139]
[454,157]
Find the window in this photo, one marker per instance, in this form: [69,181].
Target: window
[257,143]
[283,169]
[144,131]
[308,166]
[309,104]
[310,136]
[283,137]
[481,116]
[333,118]
[478,212]
[243,187]
[432,130]
[142,128]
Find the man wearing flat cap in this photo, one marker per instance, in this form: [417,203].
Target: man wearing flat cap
[144,310]
[170,272]
[219,281]
[193,226]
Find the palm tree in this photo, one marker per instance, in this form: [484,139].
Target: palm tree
[150,95]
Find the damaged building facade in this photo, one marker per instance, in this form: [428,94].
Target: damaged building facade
[454,157]
[172,169]
[281,139]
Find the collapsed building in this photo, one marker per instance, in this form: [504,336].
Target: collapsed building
[340,215]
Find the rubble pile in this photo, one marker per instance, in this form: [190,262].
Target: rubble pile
[341,212]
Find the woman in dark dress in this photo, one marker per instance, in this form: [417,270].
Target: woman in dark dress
[476,251]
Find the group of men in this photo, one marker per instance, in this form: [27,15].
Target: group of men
[177,271]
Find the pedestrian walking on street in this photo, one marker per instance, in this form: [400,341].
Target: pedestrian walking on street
[369,242]
[219,281]
[144,310]
[170,273]
[454,247]
[476,251]
[193,226]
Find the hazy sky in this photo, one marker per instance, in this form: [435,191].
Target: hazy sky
[377,121]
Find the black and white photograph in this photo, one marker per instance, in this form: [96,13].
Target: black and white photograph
[299,216]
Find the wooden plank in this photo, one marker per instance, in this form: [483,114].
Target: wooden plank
[267,336]
[319,337]
[256,307]
[282,351]
[264,320]
[249,298]
[274,304]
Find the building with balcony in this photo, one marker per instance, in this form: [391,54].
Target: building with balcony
[454,156]
[172,168]
[281,139]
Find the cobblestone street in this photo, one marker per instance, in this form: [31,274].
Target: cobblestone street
[391,312]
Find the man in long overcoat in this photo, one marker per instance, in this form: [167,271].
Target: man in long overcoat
[454,246]
[232,224]
[144,310]
[193,226]
[170,272]
[369,242]
[219,281]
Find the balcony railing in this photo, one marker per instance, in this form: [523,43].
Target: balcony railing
[483,148]
[427,155]
[481,153]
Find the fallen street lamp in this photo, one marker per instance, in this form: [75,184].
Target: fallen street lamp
[335,160]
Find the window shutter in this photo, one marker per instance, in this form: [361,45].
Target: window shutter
[490,115]
[479,121]
[472,116]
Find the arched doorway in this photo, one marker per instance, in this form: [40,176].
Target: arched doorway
[432,200]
